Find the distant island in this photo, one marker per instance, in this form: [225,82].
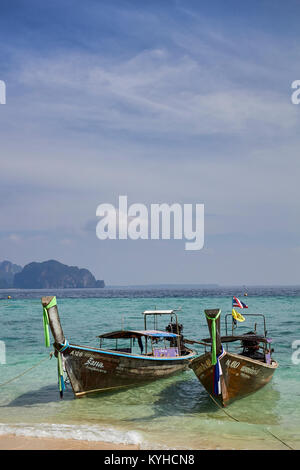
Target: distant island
[8,271]
[46,275]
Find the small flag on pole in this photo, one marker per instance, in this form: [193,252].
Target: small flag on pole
[237,303]
[237,316]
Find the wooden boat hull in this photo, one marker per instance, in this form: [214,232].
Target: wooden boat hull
[241,375]
[92,370]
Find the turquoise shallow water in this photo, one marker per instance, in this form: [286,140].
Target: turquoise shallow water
[169,413]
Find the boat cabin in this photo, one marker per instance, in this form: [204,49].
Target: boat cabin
[151,342]
[252,344]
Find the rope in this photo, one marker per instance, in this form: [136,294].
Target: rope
[221,408]
[27,370]
[235,419]
[287,445]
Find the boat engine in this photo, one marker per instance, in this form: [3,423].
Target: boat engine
[177,329]
[251,347]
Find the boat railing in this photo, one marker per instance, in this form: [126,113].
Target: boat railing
[233,325]
[265,342]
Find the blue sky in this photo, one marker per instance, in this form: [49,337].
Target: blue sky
[174,101]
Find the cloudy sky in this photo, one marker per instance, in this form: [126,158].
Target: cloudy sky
[174,101]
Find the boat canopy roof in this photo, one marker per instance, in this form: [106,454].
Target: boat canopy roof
[138,334]
[247,337]
[159,312]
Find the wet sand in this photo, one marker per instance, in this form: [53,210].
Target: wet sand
[11,442]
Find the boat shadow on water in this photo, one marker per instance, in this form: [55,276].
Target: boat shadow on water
[170,397]
[186,397]
[43,395]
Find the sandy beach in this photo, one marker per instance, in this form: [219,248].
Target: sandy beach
[12,442]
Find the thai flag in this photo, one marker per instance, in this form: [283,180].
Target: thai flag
[237,303]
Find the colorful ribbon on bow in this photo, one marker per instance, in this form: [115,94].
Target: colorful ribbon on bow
[213,338]
[60,373]
[217,374]
[52,303]
[215,360]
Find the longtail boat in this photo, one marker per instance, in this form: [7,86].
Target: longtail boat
[227,376]
[143,359]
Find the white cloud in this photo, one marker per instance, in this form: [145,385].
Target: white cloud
[156,91]
[15,238]
[206,119]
